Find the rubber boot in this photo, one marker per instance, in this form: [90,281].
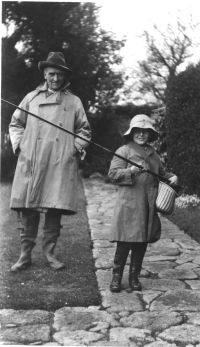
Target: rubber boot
[54,263]
[138,250]
[24,260]
[120,258]
[50,236]
[28,233]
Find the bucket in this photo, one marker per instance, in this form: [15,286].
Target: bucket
[165,199]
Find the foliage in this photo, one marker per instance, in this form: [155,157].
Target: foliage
[166,52]
[70,27]
[185,200]
[183,127]
[187,219]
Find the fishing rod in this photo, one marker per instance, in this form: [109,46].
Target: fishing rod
[163,179]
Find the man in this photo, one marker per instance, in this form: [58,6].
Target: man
[46,175]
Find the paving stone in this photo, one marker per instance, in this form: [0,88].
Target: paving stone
[27,334]
[121,301]
[152,321]
[181,274]
[103,244]
[193,318]
[189,244]
[99,234]
[187,266]
[197,271]
[163,248]
[104,343]
[186,257]
[125,335]
[103,278]
[14,318]
[161,284]
[160,258]
[156,267]
[161,344]
[149,296]
[194,284]
[81,318]
[51,344]
[186,334]
[76,338]
[103,257]
[179,300]
[9,343]
[196,260]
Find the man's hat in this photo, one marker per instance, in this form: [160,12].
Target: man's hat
[54,59]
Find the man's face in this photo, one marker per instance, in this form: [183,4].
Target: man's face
[54,77]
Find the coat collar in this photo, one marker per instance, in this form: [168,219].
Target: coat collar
[55,98]
[144,151]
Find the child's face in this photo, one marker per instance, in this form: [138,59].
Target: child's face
[140,136]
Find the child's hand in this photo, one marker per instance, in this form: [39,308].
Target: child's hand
[173,180]
[135,169]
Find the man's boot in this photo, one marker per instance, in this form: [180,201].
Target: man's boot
[138,250]
[28,233]
[120,258]
[50,236]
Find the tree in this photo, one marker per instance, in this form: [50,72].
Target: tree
[167,52]
[70,27]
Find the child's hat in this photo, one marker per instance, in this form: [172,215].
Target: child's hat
[144,122]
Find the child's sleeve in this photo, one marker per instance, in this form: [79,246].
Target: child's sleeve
[120,171]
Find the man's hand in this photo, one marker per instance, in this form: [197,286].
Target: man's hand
[82,154]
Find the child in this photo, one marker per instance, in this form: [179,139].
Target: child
[135,222]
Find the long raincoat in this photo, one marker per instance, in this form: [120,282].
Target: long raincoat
[135,217]
[46,175]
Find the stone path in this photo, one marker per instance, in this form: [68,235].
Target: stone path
[166,313]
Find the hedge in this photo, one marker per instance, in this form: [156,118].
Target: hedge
[183,128]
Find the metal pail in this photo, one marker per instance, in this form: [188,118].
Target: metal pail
[165,199]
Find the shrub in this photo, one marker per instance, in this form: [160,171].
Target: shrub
[183,128]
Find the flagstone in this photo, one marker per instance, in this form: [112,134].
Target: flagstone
[122,301]
[76,338]
[179,300]
[156,267]
[178,274]
[14,318]
[161,284]
[81,318]
[152,321]
[185,333]
[125,335]
[194,284]
[27,334]
[193,318]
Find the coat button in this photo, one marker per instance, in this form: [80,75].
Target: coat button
[57,139]
[61,124]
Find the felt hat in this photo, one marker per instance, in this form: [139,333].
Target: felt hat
[54,59]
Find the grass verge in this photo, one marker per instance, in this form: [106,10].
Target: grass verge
[187,219]
[40,287]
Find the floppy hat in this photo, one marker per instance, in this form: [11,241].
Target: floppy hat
[144,122]
[54,59]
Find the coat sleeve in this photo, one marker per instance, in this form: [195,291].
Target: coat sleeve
[82,128]
[119,171]
[17,125]
[163,172]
